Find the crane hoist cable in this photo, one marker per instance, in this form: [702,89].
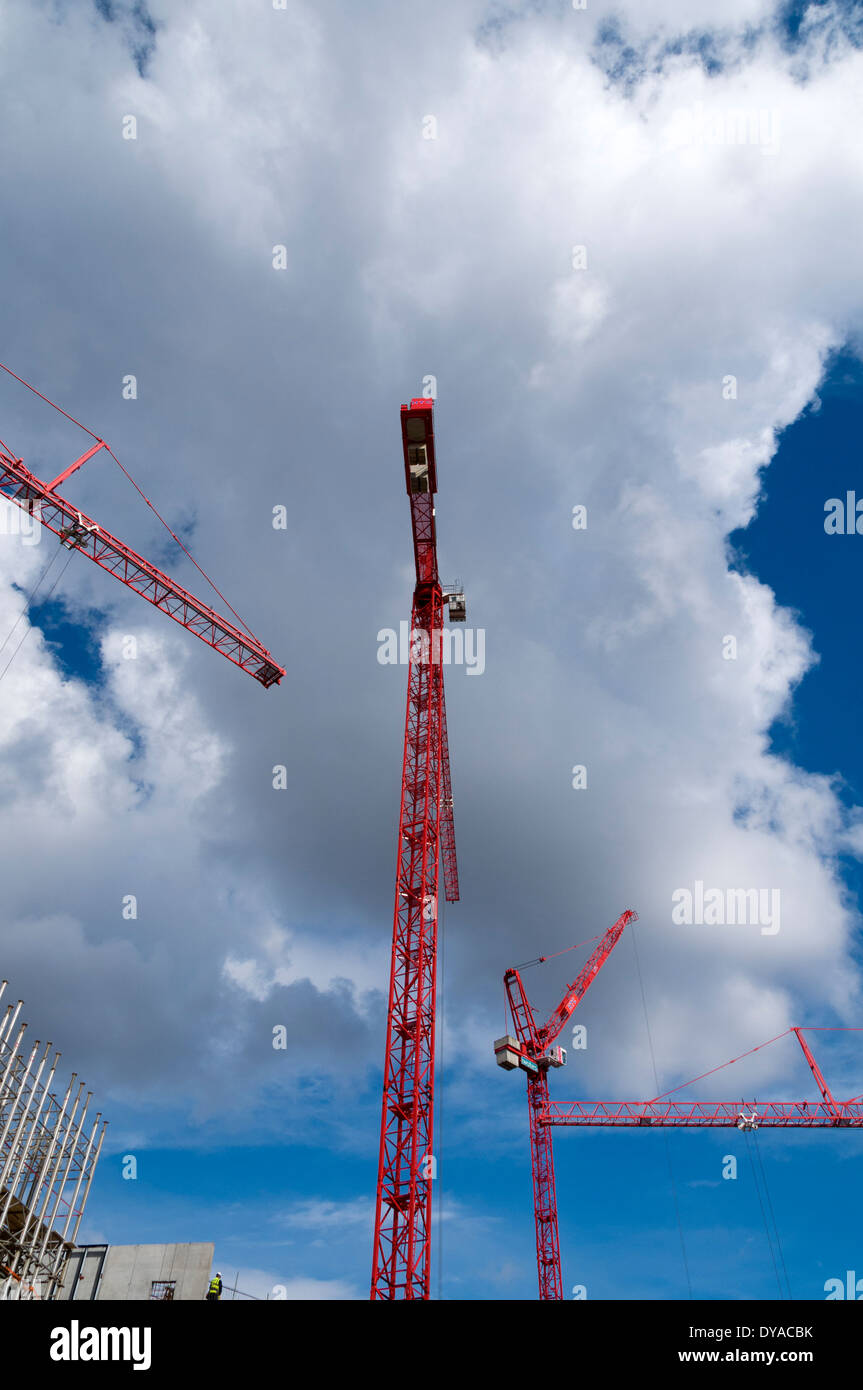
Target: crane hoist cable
[772,1214]
[749,1052]
[26,608]
[665,1135]
[767,1230]
[30,597]
[101,443]
[540,960]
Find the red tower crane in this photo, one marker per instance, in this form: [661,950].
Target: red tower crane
[402,1240]
[534,1053]
[80,532]
[718,1114]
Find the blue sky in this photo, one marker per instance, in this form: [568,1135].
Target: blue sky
[814,572]
[619,1233]
[716,250]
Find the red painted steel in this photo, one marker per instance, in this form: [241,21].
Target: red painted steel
[78,531]
[401,1267]
[660,1113]
[579,987]
[548,1263]
[816,1072]
[535,1042]
[719,1114]
[769,1114]
[447,827]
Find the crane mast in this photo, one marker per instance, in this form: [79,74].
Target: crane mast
[533,1051]
[406,1162]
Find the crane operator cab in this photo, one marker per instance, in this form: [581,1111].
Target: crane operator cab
[418,466]
[457,609]
[418,461]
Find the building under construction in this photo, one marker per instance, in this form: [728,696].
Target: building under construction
[48,1153]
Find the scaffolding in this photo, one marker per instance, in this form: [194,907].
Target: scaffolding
[48,1155]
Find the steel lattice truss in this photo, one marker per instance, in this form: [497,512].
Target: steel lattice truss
[544,1195]
[827,1113]
[531,1051]
[402,1246]
[721,1114]
[78,531]
[48,1154]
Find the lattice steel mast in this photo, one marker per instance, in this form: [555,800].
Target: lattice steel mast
[402,1245]
[532,1052]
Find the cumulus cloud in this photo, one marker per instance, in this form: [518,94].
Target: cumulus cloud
[258,1283]
[601,386]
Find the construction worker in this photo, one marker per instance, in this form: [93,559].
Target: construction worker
[215,1290]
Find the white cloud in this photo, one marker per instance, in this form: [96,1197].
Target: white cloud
[322,1215]
[320,1290]
[557,386]
[258,1283]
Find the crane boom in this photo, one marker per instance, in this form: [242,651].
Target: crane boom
[579,987]
[769,1114]
[712,1114]
[78,531]
[535,1040]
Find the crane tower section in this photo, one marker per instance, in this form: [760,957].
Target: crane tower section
[426,837]
[533,1050]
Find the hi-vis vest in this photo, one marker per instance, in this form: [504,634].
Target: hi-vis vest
[215,1285]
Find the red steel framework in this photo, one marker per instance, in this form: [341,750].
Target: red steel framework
[402,1239]
[78,531]
[717,1114]
[532,1052]
[535,1054]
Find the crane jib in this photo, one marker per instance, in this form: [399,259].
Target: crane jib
[78,531]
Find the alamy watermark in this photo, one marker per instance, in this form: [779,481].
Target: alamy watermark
[25,522]
[850,1287]
[844,515]
[731,125]
[721,907]
[447,646]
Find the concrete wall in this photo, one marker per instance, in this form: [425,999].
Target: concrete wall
[129,1271]
[82,1271]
